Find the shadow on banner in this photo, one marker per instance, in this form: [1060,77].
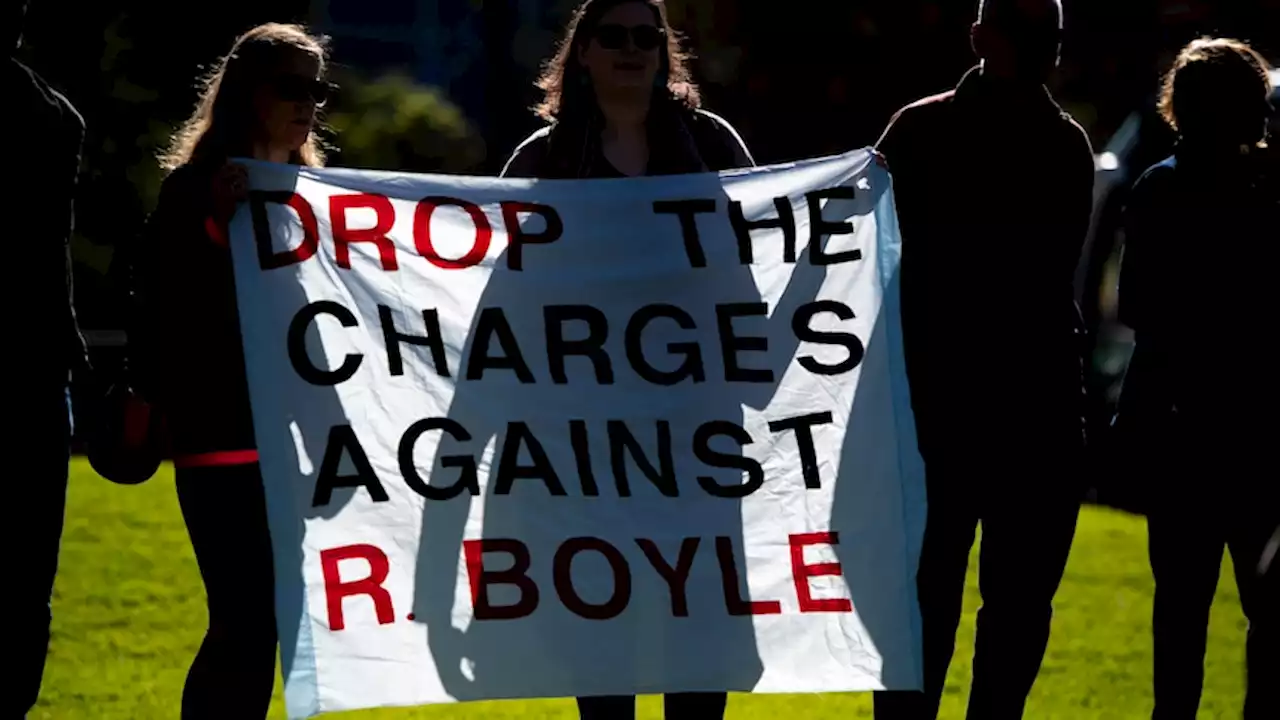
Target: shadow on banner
[501,413]
[298,419]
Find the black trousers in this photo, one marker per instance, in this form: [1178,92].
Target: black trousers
[42,438]
[226,516]
[1186,545]
[1028,522]
[675,706]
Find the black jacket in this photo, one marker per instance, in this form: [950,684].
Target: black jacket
[186,354]
[994,191]
[681,141]
[1197,286]
[47,135]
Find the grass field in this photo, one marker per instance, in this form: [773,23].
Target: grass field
[129,614]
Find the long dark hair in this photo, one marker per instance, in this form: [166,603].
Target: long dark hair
[564,83]
[220,124]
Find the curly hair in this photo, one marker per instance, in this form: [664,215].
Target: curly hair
[563,80]
[223,114]
[1209,72]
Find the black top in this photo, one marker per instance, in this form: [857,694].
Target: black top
[44,165]
[1197,286]
[602,168]
[681,141]
[994,191]
[186,350]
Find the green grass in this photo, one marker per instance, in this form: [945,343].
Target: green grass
[129,614]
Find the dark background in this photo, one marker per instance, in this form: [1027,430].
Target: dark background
[444,85]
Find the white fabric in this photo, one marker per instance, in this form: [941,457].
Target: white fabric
[413,636]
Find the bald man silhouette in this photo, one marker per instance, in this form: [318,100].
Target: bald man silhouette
[994,184]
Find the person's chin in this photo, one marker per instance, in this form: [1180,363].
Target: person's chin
[631,80]
[298,135]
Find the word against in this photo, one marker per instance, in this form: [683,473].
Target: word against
[625,448]
[527,439]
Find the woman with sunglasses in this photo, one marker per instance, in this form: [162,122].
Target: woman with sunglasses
[259,103]
[619,101]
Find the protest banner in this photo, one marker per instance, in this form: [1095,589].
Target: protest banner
[546,439]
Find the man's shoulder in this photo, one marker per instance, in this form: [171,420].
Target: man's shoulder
[1074,134]
[919,119]
[72,120]
[45,101]
[927,108]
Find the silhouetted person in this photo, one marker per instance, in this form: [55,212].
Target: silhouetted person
[1197,287]
[260,103]
[609,117]
[993,182]
[44,346]
[606,114]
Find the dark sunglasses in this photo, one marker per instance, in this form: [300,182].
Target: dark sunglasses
[614,37]
[297,88]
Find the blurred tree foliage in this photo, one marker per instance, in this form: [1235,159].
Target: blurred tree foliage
[393,123]
[797,82]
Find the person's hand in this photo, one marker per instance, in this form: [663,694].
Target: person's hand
[879,157]
[230,186]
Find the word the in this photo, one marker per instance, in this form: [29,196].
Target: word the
[685,211]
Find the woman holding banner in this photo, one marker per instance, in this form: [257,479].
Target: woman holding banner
[260,102]
[619,101]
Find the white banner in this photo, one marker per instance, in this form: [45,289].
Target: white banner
[544,439]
